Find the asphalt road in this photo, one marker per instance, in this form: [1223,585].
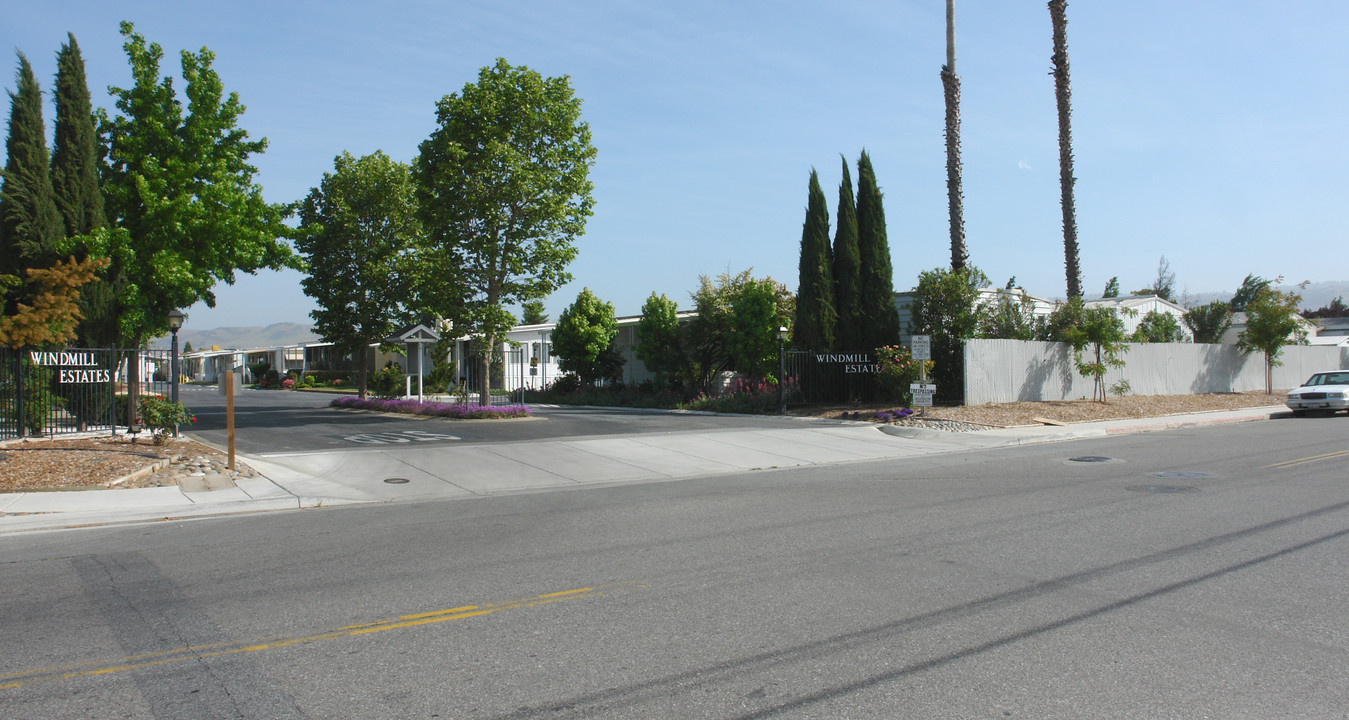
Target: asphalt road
[286,422]
[1195,573]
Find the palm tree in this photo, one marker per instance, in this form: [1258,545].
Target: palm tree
[1064,97]
[951,86]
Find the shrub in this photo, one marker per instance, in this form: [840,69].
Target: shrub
[288,384]
[898,371]
[388,383]
[162,417]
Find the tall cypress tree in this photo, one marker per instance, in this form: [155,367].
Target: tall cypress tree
[847,269]
[75,150]
[876,303]
[79,197]
[30,226]
[815,315]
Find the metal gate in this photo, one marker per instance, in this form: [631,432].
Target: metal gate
[507,373]
[54,391]
[830,377]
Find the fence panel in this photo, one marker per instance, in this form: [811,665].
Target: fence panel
[506,376]
[1029,371]
[834,377]
[54,391]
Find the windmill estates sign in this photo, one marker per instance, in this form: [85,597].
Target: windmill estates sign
[853,363]
[75,367]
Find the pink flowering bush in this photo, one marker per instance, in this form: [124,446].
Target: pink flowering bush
[433,409]
[288,384]
[744,395]
[898,370]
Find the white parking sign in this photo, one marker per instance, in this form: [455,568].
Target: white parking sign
[920,348]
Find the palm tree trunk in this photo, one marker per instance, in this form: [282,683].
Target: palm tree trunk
[955,197]
[1063,95]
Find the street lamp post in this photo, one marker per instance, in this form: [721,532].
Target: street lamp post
[176,319]
[782,370]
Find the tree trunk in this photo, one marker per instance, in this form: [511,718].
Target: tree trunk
[362,371]
[133,384]
[955,196]
[1063,95]
[485,369]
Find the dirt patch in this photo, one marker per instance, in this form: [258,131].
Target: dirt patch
[88,463]
[1071,411]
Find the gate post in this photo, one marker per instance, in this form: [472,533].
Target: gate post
[22,429]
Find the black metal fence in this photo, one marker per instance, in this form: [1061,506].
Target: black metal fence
[830,377]
[54,391]
[507,373]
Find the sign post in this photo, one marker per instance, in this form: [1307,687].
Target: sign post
[920,349]
[922,394]
[229,414]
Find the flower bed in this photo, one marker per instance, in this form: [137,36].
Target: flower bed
[434,409]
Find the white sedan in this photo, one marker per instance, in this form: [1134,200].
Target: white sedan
[1328,391]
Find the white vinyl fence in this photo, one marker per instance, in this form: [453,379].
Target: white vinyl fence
[1018,370]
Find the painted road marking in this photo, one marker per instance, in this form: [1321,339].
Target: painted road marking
[1308,460]
[198,652]
[403,436]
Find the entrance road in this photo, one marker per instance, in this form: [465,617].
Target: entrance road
[284,422]
[1191,573]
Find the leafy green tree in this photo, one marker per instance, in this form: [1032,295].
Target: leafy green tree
[74,169]
[583,340]
[1158,327]
[1271,324]
[1103,330]
[1111,288]
[753,343]
[1063,97]
[847,270]
[357,228]
[877,300]
[950,82]
[1011,317]
[815,314]
[180,192]
[946,308]
[1250,288]
[659,343]
[711,341]
[1209,322]
[504,191]
[187,347]
[532,313]
[30,226]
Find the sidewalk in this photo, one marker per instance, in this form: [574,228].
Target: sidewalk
[305,480]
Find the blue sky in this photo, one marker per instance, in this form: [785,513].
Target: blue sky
[1209,132]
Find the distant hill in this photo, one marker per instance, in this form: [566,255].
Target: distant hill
[1316,295]
[242,338]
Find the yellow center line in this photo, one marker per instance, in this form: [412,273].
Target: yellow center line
[451,611]
[165,657]
[1306,460]
[565,592]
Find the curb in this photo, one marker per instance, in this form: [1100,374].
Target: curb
[150,469]
[1129,429]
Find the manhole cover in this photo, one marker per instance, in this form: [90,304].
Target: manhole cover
[1181,475]
[1162,488]
[1090,458]
[396,481]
